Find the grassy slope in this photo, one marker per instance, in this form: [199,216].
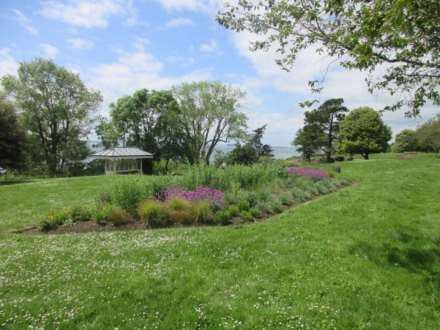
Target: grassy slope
[366,257]
[25,204]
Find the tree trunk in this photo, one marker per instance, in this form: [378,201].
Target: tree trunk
[366,156]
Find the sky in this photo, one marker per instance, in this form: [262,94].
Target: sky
[120,46]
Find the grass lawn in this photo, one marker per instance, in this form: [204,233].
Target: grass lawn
[367,257]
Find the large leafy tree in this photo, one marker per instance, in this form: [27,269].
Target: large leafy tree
[252,150]
[209,114]
[405,141]
[55,106]
[148,120]
[12,137]
[321,127]
[400,36]
[428,135]
[363,132]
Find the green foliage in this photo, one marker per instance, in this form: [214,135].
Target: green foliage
[56,108]
[201,213]
[246,215]
[365,35]
[223,217]
[12,137]
[80,213]
[363,132]
[405,141]
[153,213]
[252,151]
[101,214]
[209,114]
[428,136]
[127,195]
[55,219]
[321,127]
[119,217]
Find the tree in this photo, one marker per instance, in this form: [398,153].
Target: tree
[308,140]
[209,114]
[12,137]
[107,133]
[363,132]
[256,141]
[321,129]
[400,36]
[428,136]
[251,151]
[148,120]
[55,106]
[405,141]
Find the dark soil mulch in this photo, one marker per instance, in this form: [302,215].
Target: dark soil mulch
[85,227]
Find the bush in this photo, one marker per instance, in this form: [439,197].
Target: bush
[153,213]
[79,213]
[285,200]
[127,195]
[233,210]
[201,212]
[275,207]
[246,215]
[54,220]
[119,217]
[255,212]
[223,217]
[102,214]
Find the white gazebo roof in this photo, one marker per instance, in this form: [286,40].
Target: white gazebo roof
[122,153]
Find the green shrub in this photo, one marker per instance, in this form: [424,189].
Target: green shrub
[285,200]
[246,215]
[119,217]
[233,210]
[255,211]
[276,207]
[243,205]
[127,195]
[153,213]
[102,214]
[201,212]
[178,204]
[223,217]
[54,220]
[79,213]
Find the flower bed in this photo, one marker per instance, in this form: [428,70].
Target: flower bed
[201,196]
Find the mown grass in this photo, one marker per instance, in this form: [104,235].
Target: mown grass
[367,257]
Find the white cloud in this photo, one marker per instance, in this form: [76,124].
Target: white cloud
[179,22]
[339,82]
[192,5]
[25,22]
[79,43]
[8,64]
[88,13]
[135,70]
[49,51]
[209,47]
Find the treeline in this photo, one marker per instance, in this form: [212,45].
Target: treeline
[425,138]
[47,113]
[332,129]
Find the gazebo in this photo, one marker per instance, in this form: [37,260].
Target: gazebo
[122,160]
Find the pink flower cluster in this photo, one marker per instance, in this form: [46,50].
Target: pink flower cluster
[212,195]
[310,172]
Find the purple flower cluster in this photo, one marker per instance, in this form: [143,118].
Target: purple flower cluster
[310,172]
[212,195]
